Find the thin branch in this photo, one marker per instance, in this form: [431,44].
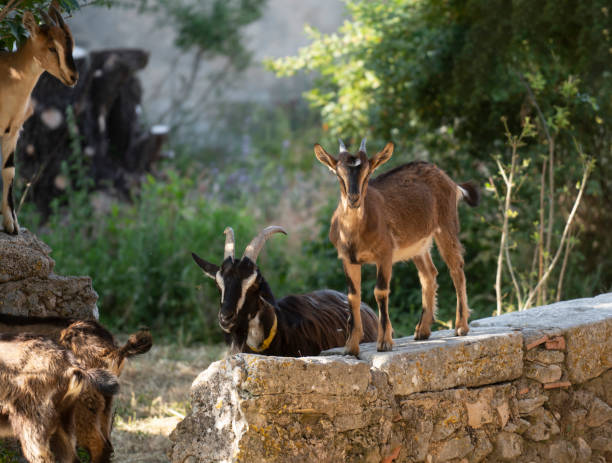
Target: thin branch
[514,280]
[500,258]
[570,219]
[540,243]
[568,249]
[544,251]
[10,6]
[551,204]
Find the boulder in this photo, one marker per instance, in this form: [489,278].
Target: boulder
[29,287]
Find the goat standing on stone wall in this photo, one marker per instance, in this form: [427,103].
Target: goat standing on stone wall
[395,217]
[254,321]
[49,48]
[40,384]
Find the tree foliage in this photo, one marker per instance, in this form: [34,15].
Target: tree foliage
[12,31]
[213,27]
[406,64]
[437,76]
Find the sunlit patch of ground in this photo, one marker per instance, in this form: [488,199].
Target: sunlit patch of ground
[154,397]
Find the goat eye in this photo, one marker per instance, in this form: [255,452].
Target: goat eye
[53,50]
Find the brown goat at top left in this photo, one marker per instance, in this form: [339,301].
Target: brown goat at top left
[49,48]
[40,385]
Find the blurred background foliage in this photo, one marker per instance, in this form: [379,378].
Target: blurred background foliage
[435,77]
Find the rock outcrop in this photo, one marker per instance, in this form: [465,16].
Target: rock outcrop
[28,285]
[533,386]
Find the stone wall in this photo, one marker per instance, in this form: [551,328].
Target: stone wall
[29,287]
[534,386]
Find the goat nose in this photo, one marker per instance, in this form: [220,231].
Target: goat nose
[353,198]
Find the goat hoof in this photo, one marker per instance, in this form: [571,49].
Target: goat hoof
[11,230]
[421,335]
[462,331]
[348,351]
[384,346]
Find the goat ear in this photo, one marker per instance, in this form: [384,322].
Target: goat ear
[382,156]
[138,343]
[209,269]
[325,158]
[30,23]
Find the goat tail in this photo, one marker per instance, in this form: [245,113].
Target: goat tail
[469,191]
[138,343]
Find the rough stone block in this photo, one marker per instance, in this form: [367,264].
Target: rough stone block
[28,286]
[23,256]
[599,413]
[54,295]
[455,399]
[545,356]
[586,325]
[508,445]
[446,361]
[543,373]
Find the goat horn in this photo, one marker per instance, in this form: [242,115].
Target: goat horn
[58,17]
[255,246]
[363,143]
[230,243]
[342,147]
[48,19]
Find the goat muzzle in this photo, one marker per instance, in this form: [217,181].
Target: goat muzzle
[226,323]
[353,201]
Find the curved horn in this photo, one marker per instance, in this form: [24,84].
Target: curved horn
[255,246]
[363,147]
[230,243]
[342,147]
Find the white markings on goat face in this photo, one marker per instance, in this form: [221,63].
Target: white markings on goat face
[256,332]
[221,284]
[246,284]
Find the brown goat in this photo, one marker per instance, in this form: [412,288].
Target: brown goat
[49,48]
[95,347]
[395,217]
[40,385]
[294,326]
[88,340]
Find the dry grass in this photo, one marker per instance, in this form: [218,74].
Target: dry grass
[154,397]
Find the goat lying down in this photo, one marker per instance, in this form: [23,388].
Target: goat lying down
[297,325]
[40,385]
[95,347]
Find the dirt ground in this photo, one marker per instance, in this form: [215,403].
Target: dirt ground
[154,397]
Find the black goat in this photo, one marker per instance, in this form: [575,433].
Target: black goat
[297,325]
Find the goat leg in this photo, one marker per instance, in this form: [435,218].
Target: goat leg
[452,252]
[381,293]
[353,279]
[9,219]
[427,277]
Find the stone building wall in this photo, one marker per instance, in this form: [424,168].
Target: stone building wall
[29,287]
[534,386]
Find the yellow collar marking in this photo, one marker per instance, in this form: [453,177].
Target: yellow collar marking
[266,343]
